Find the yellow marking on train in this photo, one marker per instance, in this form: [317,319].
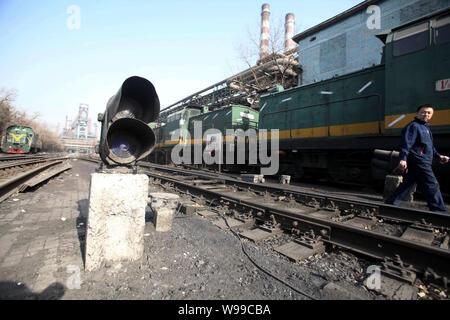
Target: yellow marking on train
[306,133]
[440,118]
[197,141]
[316,132]
[17,138]
[228,138]
[335,131]
[173,141]
[355,129]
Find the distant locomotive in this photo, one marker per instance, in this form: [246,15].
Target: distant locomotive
[330,129]
[20,139]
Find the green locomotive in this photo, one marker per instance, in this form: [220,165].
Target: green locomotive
[163,132]
[331,128]
[20,139]
[198,128]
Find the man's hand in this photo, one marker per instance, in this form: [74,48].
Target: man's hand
[403,165]
[444,159]
[400,168]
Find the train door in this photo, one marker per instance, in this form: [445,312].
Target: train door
[441,74]
[409,82]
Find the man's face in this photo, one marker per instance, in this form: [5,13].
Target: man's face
[425,114]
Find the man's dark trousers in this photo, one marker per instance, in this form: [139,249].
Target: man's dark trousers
[421,175]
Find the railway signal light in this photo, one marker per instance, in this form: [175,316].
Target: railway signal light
[125,135]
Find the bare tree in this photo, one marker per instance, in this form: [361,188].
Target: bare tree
[7,111]
[276,67]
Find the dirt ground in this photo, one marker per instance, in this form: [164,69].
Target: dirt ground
[42,239]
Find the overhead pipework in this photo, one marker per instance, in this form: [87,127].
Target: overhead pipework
[271,70]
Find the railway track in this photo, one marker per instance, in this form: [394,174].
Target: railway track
[354,186]
[408,243]
[19,173]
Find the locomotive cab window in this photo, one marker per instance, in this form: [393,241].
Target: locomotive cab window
[174,117]
[442,30]
[411,39]
[194,112]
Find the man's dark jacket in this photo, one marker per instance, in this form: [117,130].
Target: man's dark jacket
[417,143]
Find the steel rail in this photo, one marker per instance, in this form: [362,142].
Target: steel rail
[382,210]
[9,186]
[22,156]
[17,163]
[414,255]
[421,257]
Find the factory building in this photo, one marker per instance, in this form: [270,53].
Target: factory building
[348,42]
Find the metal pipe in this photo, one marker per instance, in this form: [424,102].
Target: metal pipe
[280,63]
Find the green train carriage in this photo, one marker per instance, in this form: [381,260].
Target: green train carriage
[164,132]
[232,126]
[331,128]
[194,123]
[20,139]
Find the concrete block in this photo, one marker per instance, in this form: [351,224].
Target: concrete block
[164,206]
[259,234]
[116,218]
[190,208]
[334,291]
[391,183]
[396,290]
[253,178]
[285,179]
[207,213]
[297,251]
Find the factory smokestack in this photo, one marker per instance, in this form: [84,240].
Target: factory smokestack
[289,32]
[265,34]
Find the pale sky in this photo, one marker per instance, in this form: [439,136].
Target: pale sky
[59,54]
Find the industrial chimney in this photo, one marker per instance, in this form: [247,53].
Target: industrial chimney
[265,35]
[289,32]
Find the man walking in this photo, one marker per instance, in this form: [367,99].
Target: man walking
[416,154]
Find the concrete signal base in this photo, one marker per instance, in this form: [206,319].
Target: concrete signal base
[164,206]
[116,221]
